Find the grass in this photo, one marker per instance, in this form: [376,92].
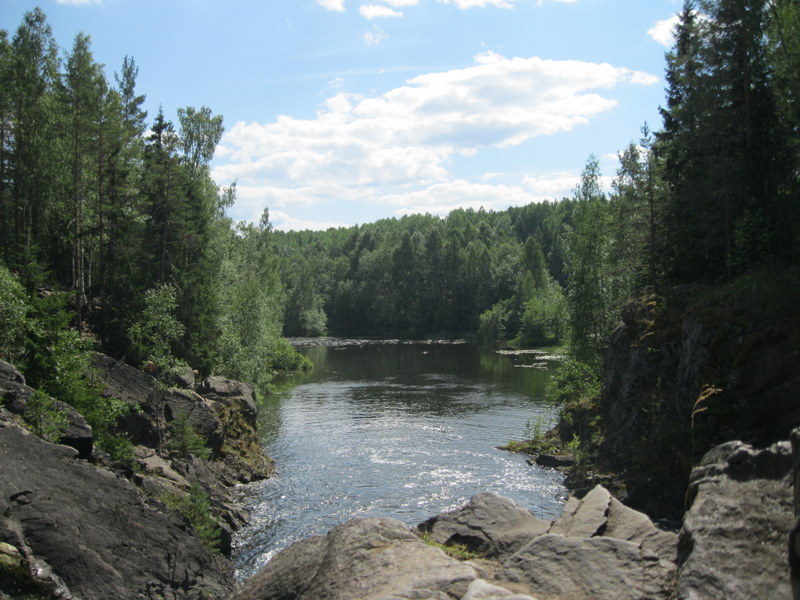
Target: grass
[457,551]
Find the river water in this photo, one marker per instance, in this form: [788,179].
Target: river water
[394,429]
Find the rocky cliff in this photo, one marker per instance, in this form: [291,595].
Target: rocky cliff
[692,370]
[75,525]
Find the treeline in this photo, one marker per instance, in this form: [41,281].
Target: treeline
[533,275]
[712,194]
[114,223]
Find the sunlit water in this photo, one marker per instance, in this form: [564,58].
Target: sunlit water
[399,430]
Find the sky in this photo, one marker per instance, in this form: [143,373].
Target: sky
[343,112]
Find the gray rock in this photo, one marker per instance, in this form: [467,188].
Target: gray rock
[489,524]
[794,536]
[138,389]
[200,412]
[229,392]
[600,514]
[733,543]
[584,517]
[94,531]
[363,559]
[554,461]
[481,589]
[597,568]
[16,394]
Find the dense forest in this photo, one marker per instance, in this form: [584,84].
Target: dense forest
[114,234]
[114,237]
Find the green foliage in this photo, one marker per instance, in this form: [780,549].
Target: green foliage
[14,324]
[45,417]
[572,381]
[457,551]
[184,440]
[196,508]
[576,448]
[545,316]
[154,333]
[492,328]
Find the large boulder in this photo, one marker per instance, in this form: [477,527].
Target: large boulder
[598,548]
[733,543]
[600,514]
[363,559]
[488,524]
[595,568]
[93,529]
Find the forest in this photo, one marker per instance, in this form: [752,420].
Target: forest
[709,196]
[115,237]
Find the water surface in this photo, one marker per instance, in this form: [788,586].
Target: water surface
[399,430]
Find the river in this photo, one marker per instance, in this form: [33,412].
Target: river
[394,429]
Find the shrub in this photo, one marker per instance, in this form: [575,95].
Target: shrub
[184,440]
[196,508]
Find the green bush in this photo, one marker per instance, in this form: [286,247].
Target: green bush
[573,380]
[45,417]
[196,508]
[184,440]
[14,324]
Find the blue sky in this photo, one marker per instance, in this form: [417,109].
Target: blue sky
[340,112]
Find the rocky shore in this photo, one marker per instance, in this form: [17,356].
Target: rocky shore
[73,525]
[733,545]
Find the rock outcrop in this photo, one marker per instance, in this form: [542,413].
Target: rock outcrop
[16,394]
[597,549]
[734,540]
[488,524]
[91,533]
[74,524]
[363,559]
[685,373]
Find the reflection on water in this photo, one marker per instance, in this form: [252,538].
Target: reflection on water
[399,430]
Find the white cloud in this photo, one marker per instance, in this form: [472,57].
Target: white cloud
[375,37]
[441,198]
[377,11]
[465,4]
[398,147]
[79,2]
[285,222]
[663,31]
[334,5]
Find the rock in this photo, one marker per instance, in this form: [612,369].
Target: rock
[554,461]
[185,378]
[138,389]
[488,524]
[231,393]
[586,517]
[95,532]
[597,568]
[600,514]
[794,536]
[16,394]
[716,357]
[200,412]
[363,559]
[483,590]
[733,543]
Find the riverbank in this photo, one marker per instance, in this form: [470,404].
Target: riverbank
[732,546]
[75,524]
